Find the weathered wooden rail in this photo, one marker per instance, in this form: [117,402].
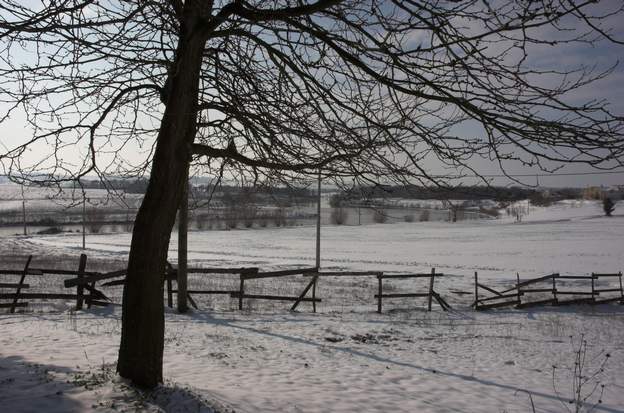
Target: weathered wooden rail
[524,292]
[255,275]
[430,294]
[92,296]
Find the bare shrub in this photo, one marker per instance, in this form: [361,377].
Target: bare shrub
[263,220]
[248,213]
[199,222]
[279,217]
[587,376]
[249,216]
[95,220]
[409,218]
[231,219]
[337,200]
[608,206]
[129,224]
[492,212]
[380,216]
[425,216]
[339,216]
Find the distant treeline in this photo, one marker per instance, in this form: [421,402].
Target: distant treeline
[139,186]
[131,186]
[509,194]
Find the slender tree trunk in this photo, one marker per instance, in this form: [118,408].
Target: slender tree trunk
[142,334]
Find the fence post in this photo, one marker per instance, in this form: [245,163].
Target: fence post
[169,291]
[169,273]
[19,287]
[476,292]
[379,290]
[593,287]
[314,294]
[80,288]
[431,288]
[241,289]
[518,286]
[554,283]
[621,289]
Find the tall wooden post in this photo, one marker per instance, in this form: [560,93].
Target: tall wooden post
[24,210]
[183,250]
[24,216]
[476,291]
[84,220]
[314,293]
[379,292]
[82,264]
[241,291]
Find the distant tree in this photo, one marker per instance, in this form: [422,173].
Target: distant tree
[337,200]
[339,215]
[540,198]
[368,92]
[95,218]
[608,206]
[380,216]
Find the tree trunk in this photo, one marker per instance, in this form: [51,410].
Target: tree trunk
[142,333]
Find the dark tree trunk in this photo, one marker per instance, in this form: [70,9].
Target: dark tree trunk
[142,334]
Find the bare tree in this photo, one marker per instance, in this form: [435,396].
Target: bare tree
[608,206]
[279,89]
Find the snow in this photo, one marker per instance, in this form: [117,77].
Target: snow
[349,358]
[564,238]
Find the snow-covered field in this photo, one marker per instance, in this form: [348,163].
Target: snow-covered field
[571,237]
[351,359]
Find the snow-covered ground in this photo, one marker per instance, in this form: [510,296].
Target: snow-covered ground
[570,237]
[405,360]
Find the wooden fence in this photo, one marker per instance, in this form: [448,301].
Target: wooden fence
[245,274]
[523,294]
[85,293]
[430,294]
[552,289]
[85,282]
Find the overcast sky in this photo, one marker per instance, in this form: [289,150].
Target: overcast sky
[602,55]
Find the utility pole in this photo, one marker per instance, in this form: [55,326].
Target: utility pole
[24,216]
[183,249]
[84,219]
[318,224]
[24,211]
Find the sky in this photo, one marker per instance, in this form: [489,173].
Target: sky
[601,54]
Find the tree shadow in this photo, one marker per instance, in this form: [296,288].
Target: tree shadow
[171,398]
[32,387]
[209,319]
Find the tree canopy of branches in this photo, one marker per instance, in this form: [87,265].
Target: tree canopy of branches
[365,90]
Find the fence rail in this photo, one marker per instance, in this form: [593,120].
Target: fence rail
[521,293]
